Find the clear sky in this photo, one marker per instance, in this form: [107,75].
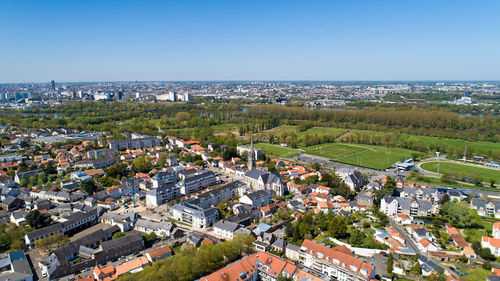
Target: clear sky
[249,40]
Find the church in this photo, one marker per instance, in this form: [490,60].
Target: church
[260,180]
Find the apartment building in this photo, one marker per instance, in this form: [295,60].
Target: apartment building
[337,262]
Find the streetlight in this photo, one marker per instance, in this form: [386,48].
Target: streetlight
[437,155]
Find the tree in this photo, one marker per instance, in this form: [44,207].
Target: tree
[311,179]
[37,220]
[89,186]
[271,166]
[108,181]
[415,156]
[162,161]
[338,227]
[23,182]
[446,178]
[492,182]
[486,254]
[182,116]
[463,259]
[229,153]
[143,164]
[149,239]
[41,178]
[416,269]
[390,264]
[118,235]
[32,180]
[487,265]
[444,199]
[459,214]
[478,180]
[390,183]
[52,242]
[357,237]
[436,222]
[316,166]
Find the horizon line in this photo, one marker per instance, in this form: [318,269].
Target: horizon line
[256,80]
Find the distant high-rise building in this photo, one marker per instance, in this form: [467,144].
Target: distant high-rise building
[53,85]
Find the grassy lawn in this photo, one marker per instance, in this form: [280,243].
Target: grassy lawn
[276,150]
[479,145]
[282,129]
[370,156]
[336,132]
[437,181]
[477,273]
[334,150]
[485,173]
[225,127]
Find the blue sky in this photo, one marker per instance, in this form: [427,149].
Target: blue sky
[249,40]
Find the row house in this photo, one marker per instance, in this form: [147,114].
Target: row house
[338,263]
[393,206]
[259,266]
[486,207]
[198,182]
[420,193]
[72,223]
[191,213]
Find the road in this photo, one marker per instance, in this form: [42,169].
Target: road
[409,240]
[327,162]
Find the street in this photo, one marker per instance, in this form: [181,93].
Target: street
[409,240]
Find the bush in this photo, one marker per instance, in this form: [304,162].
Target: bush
[192,263]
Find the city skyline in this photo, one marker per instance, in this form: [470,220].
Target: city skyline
[235,41]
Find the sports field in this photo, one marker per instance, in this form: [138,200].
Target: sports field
[370,156]
[456,168]
[479,145]
[276,150]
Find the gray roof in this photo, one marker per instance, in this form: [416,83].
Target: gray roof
[420,232]
[155,226]
[125,240]
[226,225]
[220,190]
[19,214]
[255,174]
[292,247]
[258,194]
[364,197]
[428,265]
[195,210]
[404,203]
[424,205]
[20,267]
[279,243]
[480,203]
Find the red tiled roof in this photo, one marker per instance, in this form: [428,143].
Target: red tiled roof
[160,252]
[330,255]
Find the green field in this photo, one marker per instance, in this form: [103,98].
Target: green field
[485,173]
[370,156]
[479,145]
[336,132]
[314,130]
[276,150]
[282,129]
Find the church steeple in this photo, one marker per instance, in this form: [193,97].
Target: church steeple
[251,156]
